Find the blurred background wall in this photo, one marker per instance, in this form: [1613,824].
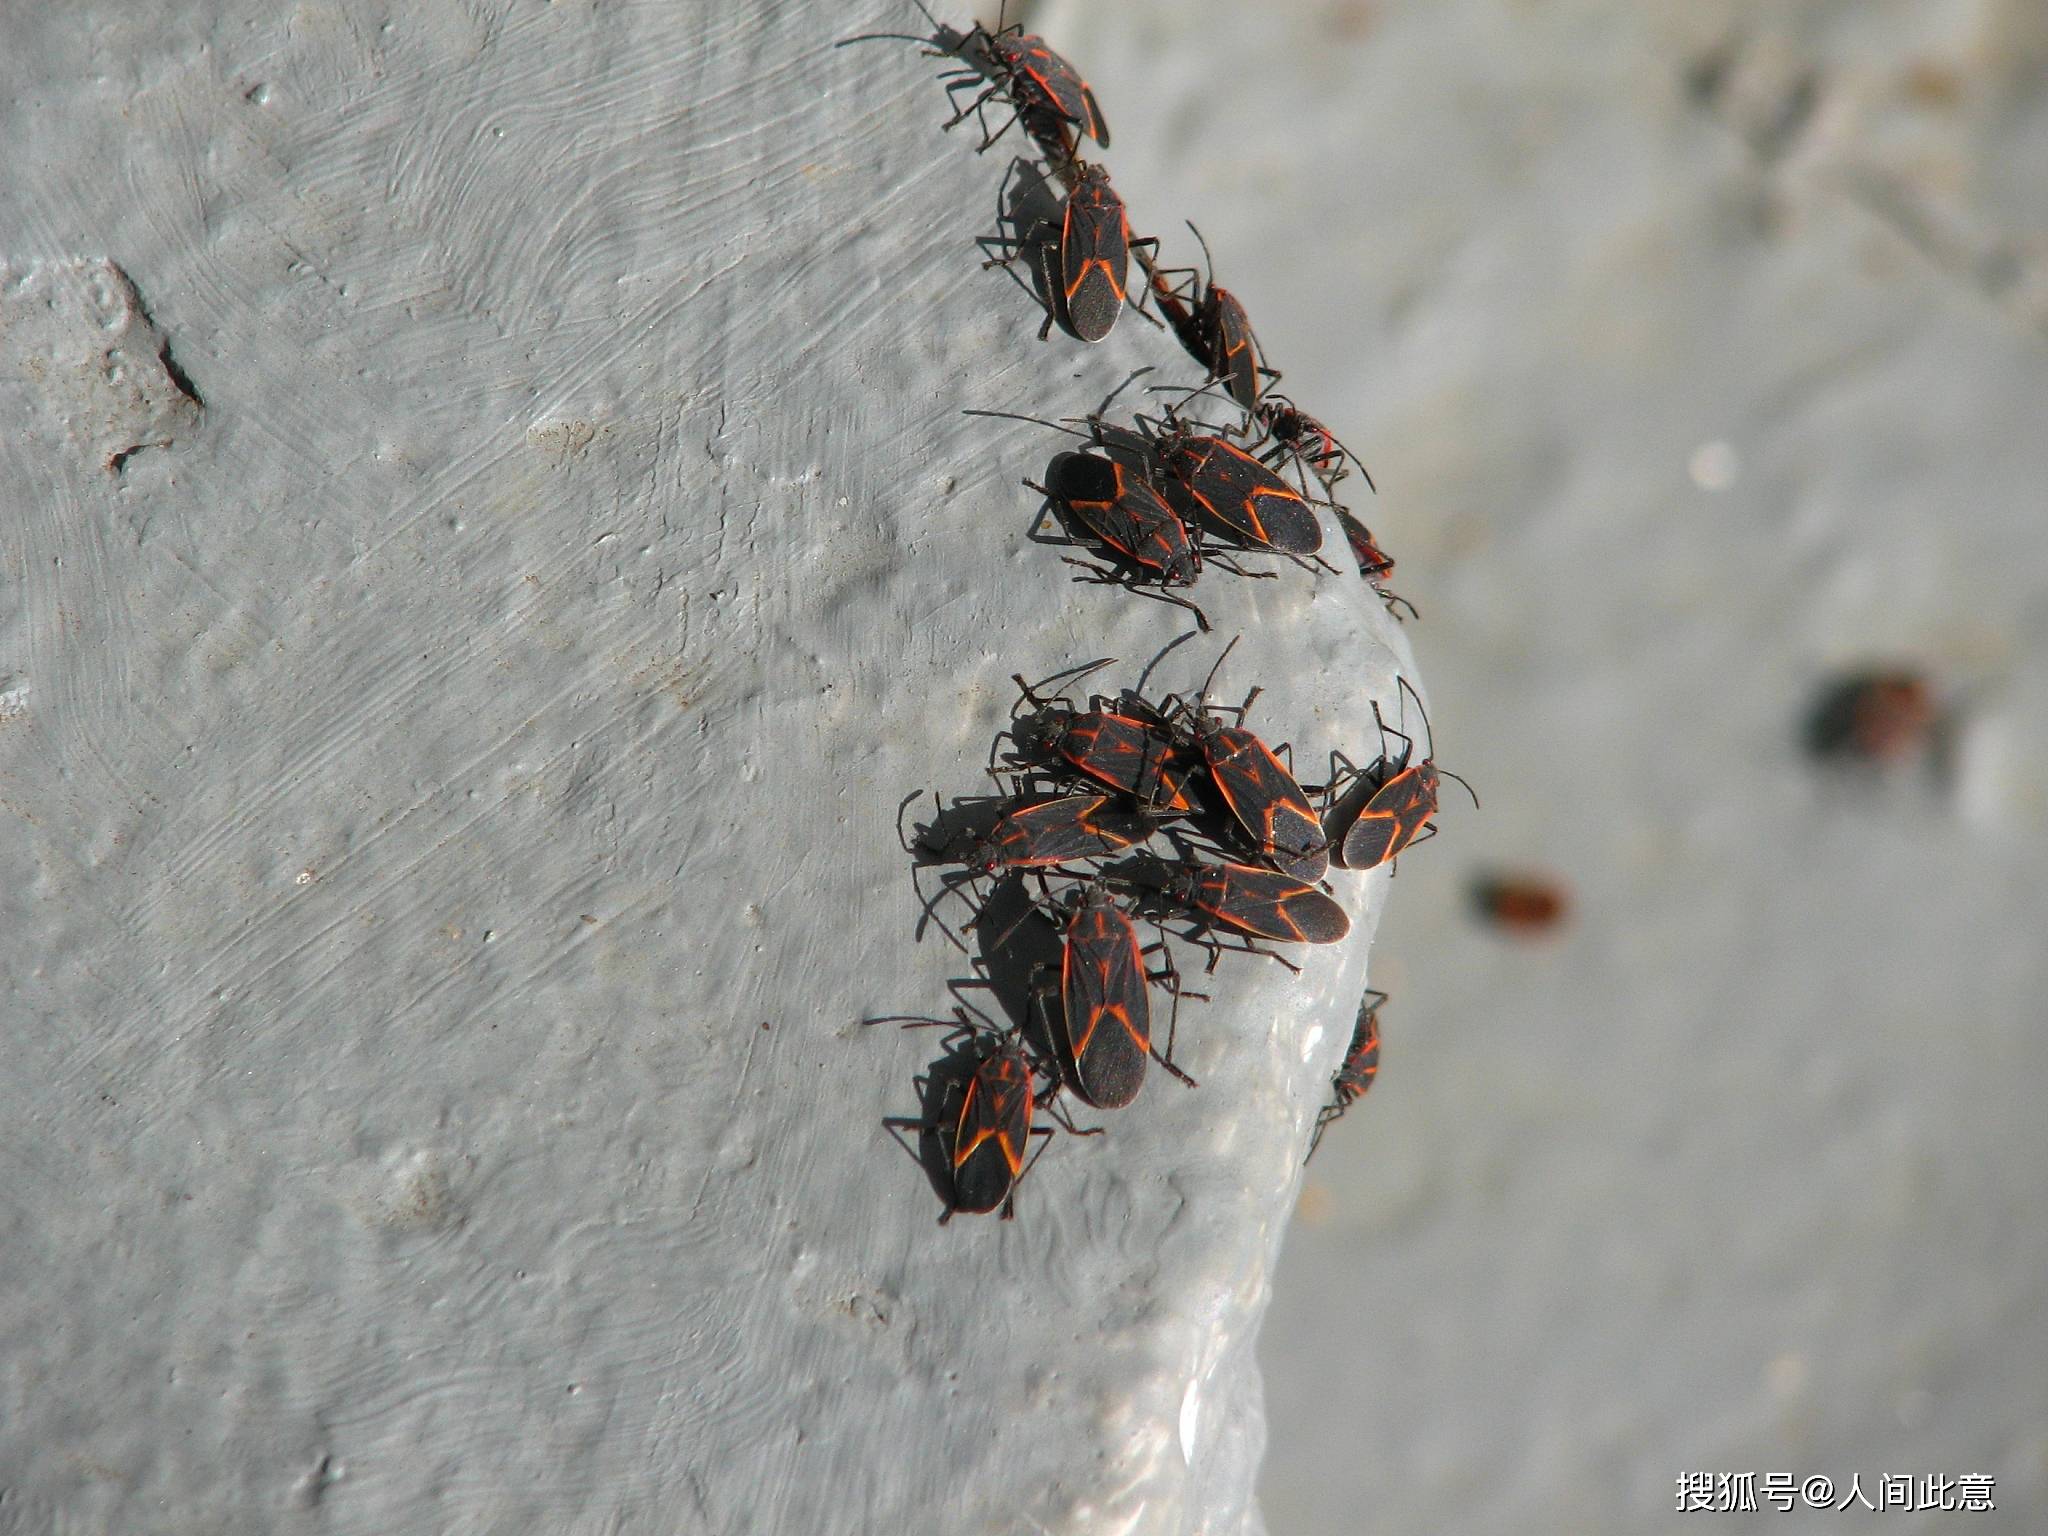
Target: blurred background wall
[1700,351]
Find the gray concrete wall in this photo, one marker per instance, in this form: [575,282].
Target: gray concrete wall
[491,540]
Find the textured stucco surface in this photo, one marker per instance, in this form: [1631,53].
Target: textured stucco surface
[1699,349]
[490,542]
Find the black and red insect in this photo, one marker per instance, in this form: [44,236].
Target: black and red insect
[1294,434]
[1261,794]
[1095,255]
[1048,92]
[1229,489]
[1526,903]
[1101,499]
[981,1101]
[1135,753]
[1374,563]
[1086,272]
[1212,325]
[1397,815]
[986,1150]
[1355,1077]
[1204,477]
[1260,902]
[1882,715]
[1400,799]
[1264,798]
[1105,1008]
[1042,833]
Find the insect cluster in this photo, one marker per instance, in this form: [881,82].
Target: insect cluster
[1126,810]
[1123,811]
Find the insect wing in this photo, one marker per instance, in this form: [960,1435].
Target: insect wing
[1362,1058]
[1243,497]
[1094,124]
[1413,813]
[1398,810]
[1266,801]
[1073,827]
[1124,754]
[1374,564]
[995,1123]
[1234,355]
[1055,82]
[1310,917]
[1108,1016]
[1095,257]
[1129,516]
[1267,905]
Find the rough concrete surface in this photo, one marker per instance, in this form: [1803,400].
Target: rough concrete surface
[1700,350]
[490,542]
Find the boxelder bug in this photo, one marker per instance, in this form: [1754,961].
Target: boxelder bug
[1104,1005]
[1401,801]
[1094,257]
[1215,480]
[1880,716]
[1122,512]
[1355,1076]
[985,1095]
[1045,89]
[1374,563]
[1058,831]
[1296,434]
[1126,752]
[1257,901]
[1234,491]
[980,1113]
[1047,92]
[1213,327]
[1527,904]
[1261,794]
[987,1154]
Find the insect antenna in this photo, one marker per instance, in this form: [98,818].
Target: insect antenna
[1036,421]
[1446,773]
